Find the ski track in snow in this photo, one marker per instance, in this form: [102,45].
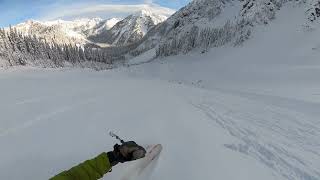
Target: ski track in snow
[280,133]
[29,101]
[46,116]
[248,128]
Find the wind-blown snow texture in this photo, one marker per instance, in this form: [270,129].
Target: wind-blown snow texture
[244,113]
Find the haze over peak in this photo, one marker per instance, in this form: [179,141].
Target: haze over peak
[106,11]
[71,9]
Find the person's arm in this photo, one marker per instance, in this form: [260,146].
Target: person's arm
[96,168]
[89,170]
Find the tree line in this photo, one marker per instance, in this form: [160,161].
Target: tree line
[205,38]
[17,49]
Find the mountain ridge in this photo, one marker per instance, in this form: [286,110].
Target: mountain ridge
[95,31]
[204,24]
[65,32]
[131,29]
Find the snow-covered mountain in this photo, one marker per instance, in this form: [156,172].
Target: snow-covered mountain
[60,31]
[29,43]
[131,29]
[212,23]
[102,26]
[113,31]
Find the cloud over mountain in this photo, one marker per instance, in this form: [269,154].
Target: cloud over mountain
[102,10]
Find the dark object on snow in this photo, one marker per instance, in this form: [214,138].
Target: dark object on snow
[128,151]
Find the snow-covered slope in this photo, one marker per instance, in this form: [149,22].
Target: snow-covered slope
[131,29]
[198,13]
[102,27]
[60,31]
[113,31]
[275,74]
[204,24]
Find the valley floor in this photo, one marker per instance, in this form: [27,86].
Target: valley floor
[54,119]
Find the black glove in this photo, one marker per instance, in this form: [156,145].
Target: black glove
[127,151]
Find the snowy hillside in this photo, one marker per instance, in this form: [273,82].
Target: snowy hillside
[114,31]
[66,32]
[131,29]
[205,24]
[102,26]
[234,113]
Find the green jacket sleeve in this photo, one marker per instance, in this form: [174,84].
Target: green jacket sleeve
[93,169]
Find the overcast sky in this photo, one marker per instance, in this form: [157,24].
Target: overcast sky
[16,11]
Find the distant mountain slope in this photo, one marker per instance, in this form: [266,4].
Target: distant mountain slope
[131,29]
[63,32]
[97,31]
[212,23]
